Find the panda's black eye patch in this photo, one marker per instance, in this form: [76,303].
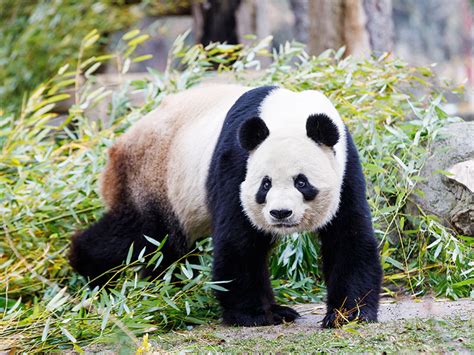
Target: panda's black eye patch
[302,184]
[265,186]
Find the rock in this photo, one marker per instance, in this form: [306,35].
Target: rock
[463,173]
[448,188]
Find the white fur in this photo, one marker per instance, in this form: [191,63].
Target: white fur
[191,153]
[287,152]
[285,113]
[167,156]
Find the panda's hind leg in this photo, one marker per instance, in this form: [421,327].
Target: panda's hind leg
[97,251]
[104,245]
[175,247]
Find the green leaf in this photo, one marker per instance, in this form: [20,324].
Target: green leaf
[44,335]
[129,255]
[88,42]
[142,58]
[395,263]
[169,302]
[105,319]
[152,241]
[130,34]
[138,40]
[68,335]
[464,283]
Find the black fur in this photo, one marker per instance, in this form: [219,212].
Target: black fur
[252,132]
[240,251]
[322,129]
[308,191]
[106,243]
[351,266]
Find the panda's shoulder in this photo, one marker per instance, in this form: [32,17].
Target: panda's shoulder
[248,104]
[287,104]
[245,107]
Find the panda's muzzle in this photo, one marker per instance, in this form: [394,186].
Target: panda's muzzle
[281,214]
[281,218]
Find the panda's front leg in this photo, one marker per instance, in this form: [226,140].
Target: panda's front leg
[241,259]
[353,276]
[351,262]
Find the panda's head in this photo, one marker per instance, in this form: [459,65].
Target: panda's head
[293,178]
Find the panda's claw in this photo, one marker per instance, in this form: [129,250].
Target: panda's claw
[329,320]
[334,319]
[284,314]
[277,315]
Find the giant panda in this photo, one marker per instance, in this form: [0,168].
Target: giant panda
[244,165]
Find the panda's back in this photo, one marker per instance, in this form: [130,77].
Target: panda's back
[164,158]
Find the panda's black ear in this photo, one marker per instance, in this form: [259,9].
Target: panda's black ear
[252,132]
[322,130]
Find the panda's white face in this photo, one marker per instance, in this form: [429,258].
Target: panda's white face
[291,185]
[297,157]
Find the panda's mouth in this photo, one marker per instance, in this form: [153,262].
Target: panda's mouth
[285,225]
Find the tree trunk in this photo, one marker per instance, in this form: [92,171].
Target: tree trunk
[363,26]
[356,36]
[325,25]
[301,26]
[379,24]
[215,21]
[252,19]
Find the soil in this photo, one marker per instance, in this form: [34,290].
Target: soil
[420,325]
[406,325]
[390,310]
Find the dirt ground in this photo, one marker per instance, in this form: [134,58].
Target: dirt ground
[420,325]
[390,310]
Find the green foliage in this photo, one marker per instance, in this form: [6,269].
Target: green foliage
[38,37]
[48,175]
[295,269]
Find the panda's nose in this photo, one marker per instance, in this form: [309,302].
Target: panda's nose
[281,214]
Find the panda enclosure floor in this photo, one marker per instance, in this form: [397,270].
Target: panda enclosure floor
[391,309]
[423,325]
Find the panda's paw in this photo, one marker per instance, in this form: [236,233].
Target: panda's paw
[283,314]
[244,319]
[277,315]
[338,318]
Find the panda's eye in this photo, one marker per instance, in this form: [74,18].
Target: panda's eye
[266,183]
[300,182]
[308,191]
